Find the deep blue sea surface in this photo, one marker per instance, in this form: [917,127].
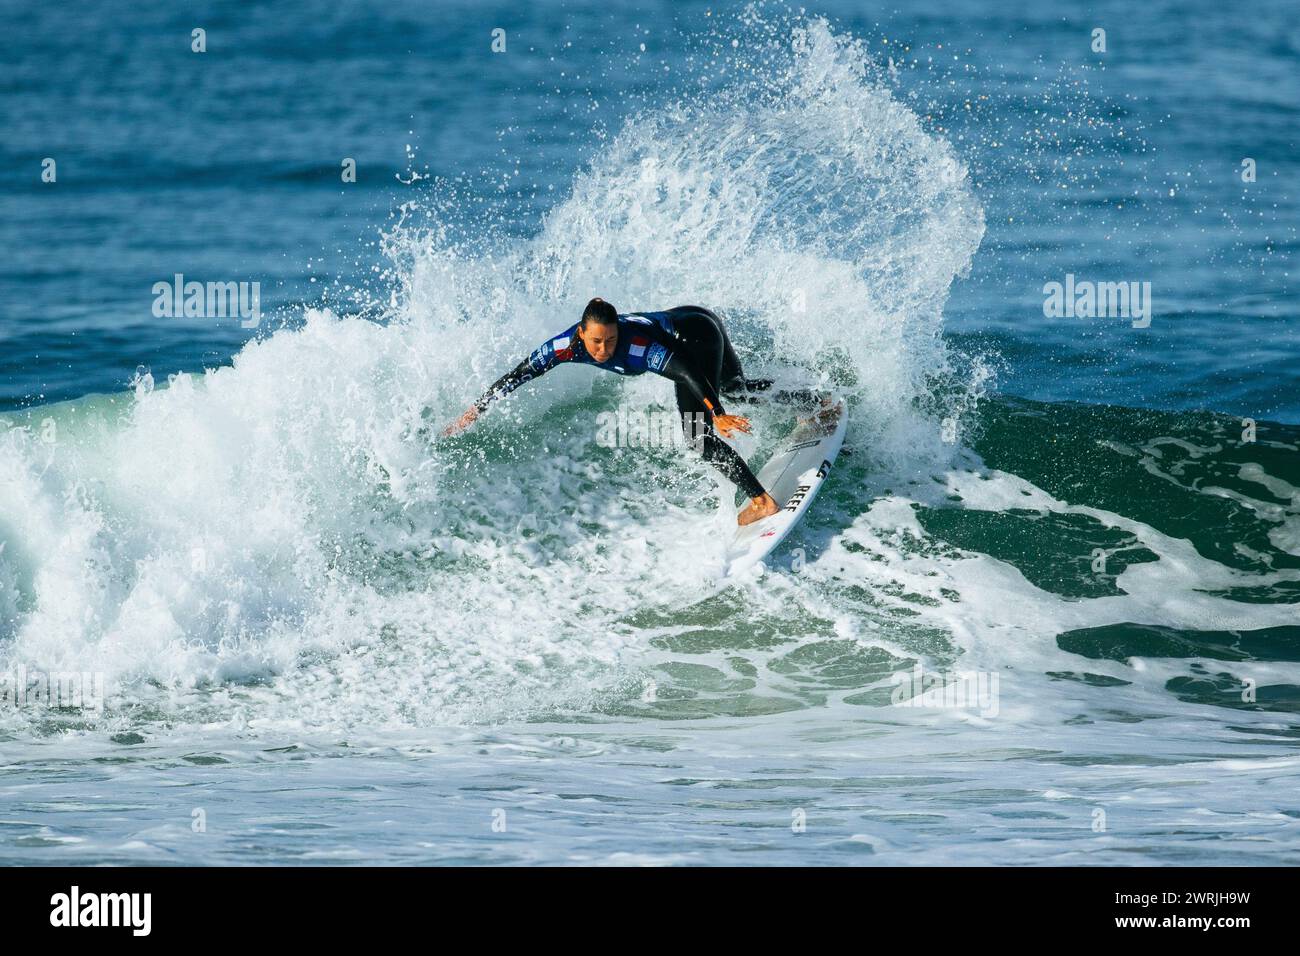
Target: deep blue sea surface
[344,640]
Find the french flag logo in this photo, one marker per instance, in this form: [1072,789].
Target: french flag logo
[639,344]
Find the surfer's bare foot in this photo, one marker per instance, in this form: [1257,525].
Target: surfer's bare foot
[758,508]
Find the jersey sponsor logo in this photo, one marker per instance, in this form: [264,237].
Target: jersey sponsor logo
[554,350]
[657,357]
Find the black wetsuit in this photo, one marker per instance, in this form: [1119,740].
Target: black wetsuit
[688,345]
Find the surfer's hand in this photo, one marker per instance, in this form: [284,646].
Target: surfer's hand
[730,423]
[462,423]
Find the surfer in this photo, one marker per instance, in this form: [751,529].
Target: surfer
[687,345]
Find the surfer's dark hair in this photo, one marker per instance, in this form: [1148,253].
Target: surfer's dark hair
[600,312]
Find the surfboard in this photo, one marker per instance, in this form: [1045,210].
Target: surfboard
[793,476]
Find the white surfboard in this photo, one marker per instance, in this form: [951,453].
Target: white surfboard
[793,477]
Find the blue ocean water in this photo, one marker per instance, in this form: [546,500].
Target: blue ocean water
[1123,165]
[333,638]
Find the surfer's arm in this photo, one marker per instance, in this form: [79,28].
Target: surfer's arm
[540,361]
[507,383]
[681,370]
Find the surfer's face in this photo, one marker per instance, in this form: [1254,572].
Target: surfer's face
[599,340]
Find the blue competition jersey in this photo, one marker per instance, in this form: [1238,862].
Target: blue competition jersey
[647,342]
[662,319]
[642,346]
